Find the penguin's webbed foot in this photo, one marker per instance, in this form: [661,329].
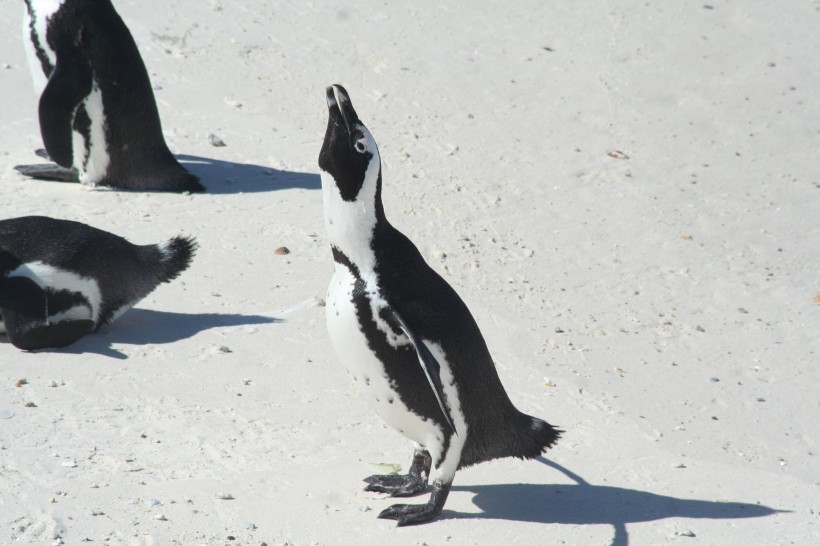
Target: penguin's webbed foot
[407,485]
[396,485]
[411,514]
[49,171]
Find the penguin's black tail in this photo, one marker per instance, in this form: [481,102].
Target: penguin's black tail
[532,436]
[175,257]
[515,434]
[522,436]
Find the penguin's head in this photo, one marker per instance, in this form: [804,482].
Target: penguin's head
[349,153]
[351,181]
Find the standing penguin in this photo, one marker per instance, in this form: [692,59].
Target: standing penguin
[404,334]
[98,117]
[61,280]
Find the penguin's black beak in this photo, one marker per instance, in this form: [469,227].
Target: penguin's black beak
[340,108]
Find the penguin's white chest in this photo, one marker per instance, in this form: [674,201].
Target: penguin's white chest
[351,345]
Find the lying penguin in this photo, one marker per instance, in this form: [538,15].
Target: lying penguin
[98,117]
[61,280]
[405,336]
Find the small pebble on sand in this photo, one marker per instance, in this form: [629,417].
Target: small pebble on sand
[216,141]
[617,154]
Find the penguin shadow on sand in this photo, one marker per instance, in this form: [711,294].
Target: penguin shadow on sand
[226,177]
[148,327]
[583,503]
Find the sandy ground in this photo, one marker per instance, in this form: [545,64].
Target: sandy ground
[626,195]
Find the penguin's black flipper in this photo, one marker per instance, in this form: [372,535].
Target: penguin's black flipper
[410,514]
[23,306]
[68,85]
[430,365]
[49,171]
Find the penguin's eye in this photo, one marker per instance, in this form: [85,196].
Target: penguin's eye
[361,146]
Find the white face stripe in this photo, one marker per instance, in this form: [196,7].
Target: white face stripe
[47,276]
[349,224]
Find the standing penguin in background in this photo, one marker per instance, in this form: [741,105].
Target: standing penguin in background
[404,334]
[61,280]
[98,117]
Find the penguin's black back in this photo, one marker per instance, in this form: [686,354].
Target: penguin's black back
[495,427]
[125,272]
[92,32]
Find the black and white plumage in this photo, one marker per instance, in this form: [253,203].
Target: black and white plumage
[404,334]
[98,117]
[61,280]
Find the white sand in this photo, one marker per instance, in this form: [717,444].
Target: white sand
[629,283]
